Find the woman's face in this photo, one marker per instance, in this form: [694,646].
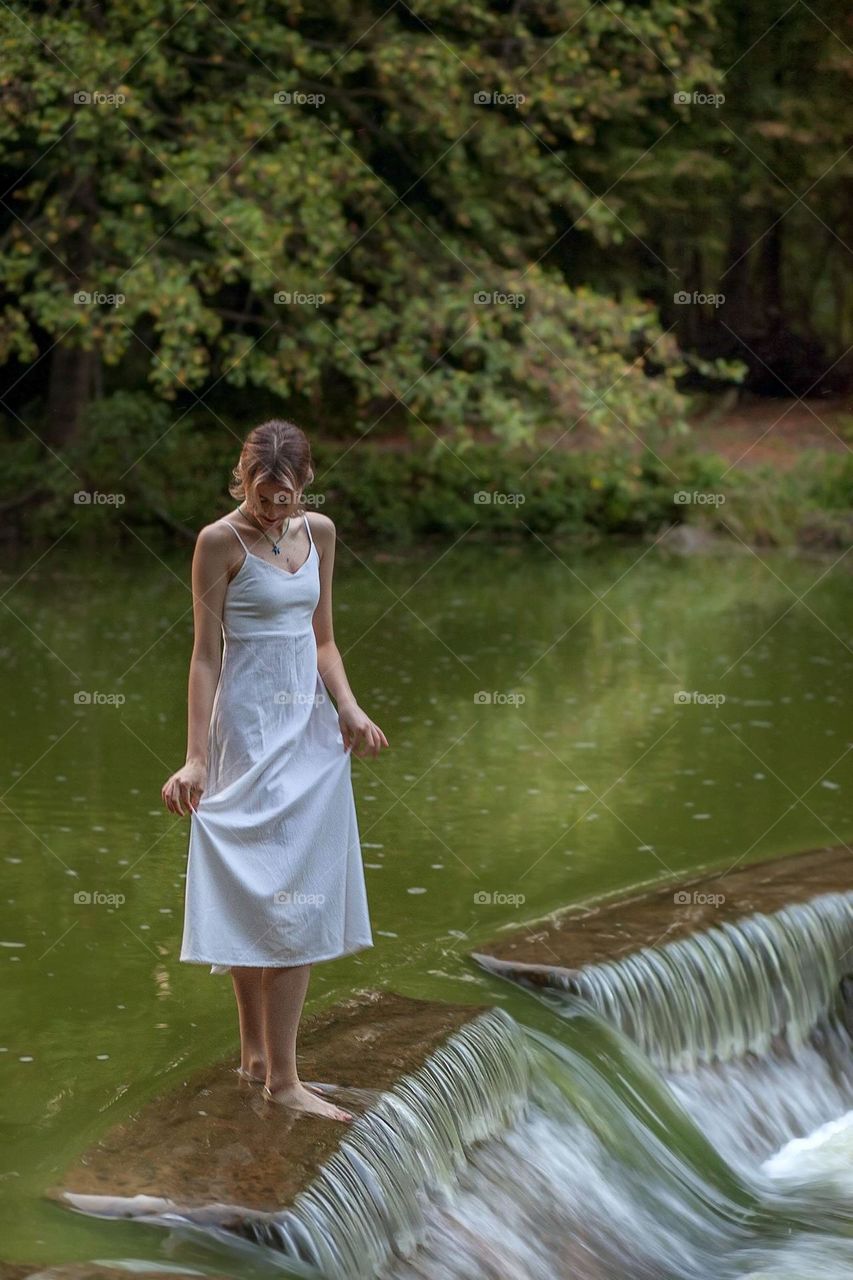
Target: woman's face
[273,502]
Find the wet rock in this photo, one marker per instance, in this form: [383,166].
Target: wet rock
[536,975]
[693,540]
[215,1148]
[343,1198]
[549,949]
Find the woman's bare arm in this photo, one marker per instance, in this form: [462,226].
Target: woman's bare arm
[212,563]
[209,582]
[329,661]
[358,730]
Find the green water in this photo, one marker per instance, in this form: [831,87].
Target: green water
[597,781]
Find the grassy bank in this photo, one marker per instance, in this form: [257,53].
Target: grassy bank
[144,473]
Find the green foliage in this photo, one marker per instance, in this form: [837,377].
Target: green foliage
[809,504]
[171,473]
[198,199]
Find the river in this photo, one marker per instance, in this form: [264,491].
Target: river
[561,725]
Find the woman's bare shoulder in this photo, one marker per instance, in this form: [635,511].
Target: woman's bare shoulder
[216,545]
[322,526]
[215,534]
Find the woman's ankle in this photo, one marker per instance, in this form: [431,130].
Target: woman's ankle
[278,1083]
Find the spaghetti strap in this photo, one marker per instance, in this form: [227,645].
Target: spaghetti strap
[308,527]
[234,531]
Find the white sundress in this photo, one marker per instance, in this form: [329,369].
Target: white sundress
[274,870]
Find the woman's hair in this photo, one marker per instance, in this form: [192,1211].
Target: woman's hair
[276,451]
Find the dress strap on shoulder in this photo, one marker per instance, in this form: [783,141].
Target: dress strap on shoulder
[308,527]
[234,531]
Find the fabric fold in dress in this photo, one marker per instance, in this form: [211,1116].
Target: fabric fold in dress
[274,868]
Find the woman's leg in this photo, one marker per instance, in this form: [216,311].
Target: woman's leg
[247,989]
[282,996]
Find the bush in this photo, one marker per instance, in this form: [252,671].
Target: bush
[172,471]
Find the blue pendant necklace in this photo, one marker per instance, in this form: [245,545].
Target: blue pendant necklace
[276,549]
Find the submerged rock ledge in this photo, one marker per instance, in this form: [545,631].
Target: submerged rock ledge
[345,1199]
[214,1141]
[608,930]
[212,1153]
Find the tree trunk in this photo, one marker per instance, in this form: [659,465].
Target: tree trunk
[69,391]
[772,272]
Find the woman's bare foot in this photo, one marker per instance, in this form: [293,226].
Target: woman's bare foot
[257,1074]
[299,1098]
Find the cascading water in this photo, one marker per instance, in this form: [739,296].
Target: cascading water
[369,1200]
[732,990]
[746,1021]
[597,1183]
[627,1133]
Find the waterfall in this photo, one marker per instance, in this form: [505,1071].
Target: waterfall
[511,1155]
[735,989]
[587,1186]
[631,1132]
[747,1021]
[368,1203]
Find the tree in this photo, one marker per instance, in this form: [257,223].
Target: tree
[308,202]
[748,198]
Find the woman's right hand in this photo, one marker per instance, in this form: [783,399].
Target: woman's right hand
[185,787]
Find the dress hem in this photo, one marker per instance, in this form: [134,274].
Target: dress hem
[266,964]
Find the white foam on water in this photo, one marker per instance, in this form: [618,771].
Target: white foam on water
[751,1108]
[822,1158]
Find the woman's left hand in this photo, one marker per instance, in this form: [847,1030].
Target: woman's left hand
[359,732]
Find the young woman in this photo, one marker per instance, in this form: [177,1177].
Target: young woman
[275,881]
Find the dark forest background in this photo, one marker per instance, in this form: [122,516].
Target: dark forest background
[445,226]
